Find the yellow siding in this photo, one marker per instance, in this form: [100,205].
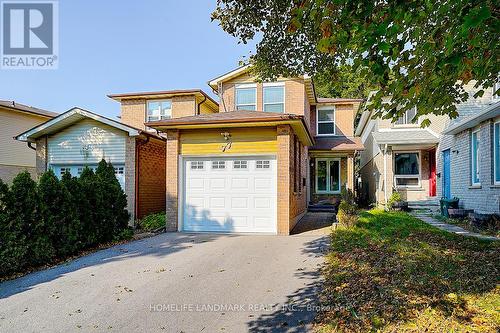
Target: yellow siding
[13,123]
[243,141]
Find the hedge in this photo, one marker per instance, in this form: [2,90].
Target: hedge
[52,219]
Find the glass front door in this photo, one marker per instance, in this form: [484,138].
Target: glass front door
[327,175]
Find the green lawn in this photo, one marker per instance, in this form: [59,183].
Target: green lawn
[392,272]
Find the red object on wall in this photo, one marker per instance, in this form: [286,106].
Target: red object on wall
[432,173]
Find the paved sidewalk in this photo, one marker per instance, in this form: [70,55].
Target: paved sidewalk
[452,228]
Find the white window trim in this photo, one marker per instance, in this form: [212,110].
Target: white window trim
[328,190]
[419,176]
[496,86]
[408,124]
[478,158]
[330,107]
[159,114]
[244,86]
[495,166]
[273,84]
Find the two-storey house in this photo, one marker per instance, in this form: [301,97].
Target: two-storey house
[271,150]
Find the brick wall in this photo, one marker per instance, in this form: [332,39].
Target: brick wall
[285,172]
[485,198]
[344,118]
[130,144]
[41,156]
[151,177]
[183,106]
[172,180]
[133,112]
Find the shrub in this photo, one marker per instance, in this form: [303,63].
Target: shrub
[57,218]
[347,214]
[153,222]
[395,197]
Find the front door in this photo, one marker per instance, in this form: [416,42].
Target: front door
[446,174]
[432,173]
[327,175]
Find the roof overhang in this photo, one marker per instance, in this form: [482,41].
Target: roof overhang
[69,118]
[164,94]
[490,111]
[298,125]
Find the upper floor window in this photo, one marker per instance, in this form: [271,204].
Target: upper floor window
[325,121]
[274,97]
[475,158]
[407,118]
[158,110]
[496,86]
[496,153]
[246,97]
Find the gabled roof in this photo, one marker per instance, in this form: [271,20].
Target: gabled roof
[25,108]
[481,114]
[71,117]
[309,85]
[239,118]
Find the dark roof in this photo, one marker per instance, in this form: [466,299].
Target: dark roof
[163,92]
[338,143]
[25,108]
[226,117]
[339,100]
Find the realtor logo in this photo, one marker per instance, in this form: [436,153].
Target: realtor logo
[29,35]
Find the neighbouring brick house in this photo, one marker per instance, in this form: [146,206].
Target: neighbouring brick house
[79,138]
[425,164]
[15,156]
[271,151]
[469,159]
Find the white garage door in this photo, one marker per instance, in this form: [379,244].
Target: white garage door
[236,194]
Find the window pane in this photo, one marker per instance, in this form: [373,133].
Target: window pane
[321,175]
[410,114]
[166,109]
[326,128]
[497,152]
[475,158]
[325,115]
[246,107]
[406,164]
[406,181]
[334,176]
[245,96]
[153,108]
[274,94]
[279,108]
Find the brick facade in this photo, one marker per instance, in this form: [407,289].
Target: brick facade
[130,178]
[484,198]
[9,172]
[285,185]
[151,173]
[133,112]
[172,180]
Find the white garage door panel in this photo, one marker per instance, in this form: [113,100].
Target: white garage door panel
[236,194]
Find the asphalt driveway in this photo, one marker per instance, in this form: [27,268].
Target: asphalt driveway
[174,282]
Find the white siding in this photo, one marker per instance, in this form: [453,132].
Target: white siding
[12,123]
[87,142]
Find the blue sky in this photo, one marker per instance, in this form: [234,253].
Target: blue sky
[117,46]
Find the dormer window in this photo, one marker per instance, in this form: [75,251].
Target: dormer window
[246,97]
[406,119]
[274,97]
[325,124]
[159,110]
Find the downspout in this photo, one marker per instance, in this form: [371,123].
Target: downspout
[30,145]
[199,104]
[385,175]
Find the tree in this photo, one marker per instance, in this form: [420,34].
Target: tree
[342,83]
[420,52]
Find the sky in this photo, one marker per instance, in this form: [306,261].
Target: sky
[118,46]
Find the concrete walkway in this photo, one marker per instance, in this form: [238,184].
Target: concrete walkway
[314,224]
[452,228]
